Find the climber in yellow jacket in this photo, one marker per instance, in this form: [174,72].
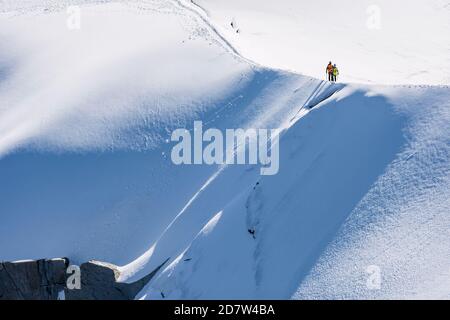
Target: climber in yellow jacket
[335,73]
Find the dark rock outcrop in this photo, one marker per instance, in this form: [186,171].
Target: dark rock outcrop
[45,279]
[32,280]
[99,282]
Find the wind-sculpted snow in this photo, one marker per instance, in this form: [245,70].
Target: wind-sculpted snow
[86,91]
[401,225]
[365,171]
[86,118]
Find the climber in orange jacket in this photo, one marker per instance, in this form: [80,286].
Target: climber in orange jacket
[329,71]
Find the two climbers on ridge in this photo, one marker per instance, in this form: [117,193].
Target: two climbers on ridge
[332,72]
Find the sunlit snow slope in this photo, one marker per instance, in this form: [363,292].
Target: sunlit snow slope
[363,181]
[84,119]
[85,170]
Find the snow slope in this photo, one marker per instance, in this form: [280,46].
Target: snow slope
[402,224]
[383,42]
[366,171]
[85,169]
[84,118]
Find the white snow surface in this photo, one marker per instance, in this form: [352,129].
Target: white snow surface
[364,180]
[379,42]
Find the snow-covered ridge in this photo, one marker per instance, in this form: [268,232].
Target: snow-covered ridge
[85,170]
[367,171]
[382,42]
[379,42]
